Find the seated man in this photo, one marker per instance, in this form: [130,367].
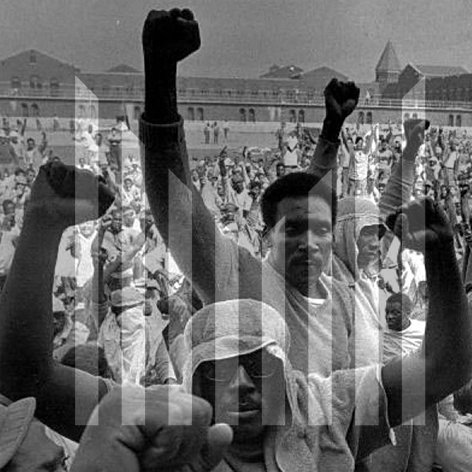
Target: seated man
[67,397]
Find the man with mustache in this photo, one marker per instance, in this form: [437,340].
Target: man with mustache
[299,212]
[235,361]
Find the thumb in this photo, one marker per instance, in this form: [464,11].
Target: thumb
[218,440]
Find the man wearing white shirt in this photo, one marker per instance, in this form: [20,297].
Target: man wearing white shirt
[404,335]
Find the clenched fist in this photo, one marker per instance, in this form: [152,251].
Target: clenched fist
[169,37]
[65,196]
[422,226]
[159,429]
[341,99]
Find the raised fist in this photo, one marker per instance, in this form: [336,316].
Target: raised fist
[169,37]
[66,196]
[422,225]
[340,99]
[414,132]
[149,430]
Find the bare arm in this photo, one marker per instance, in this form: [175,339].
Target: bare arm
[181,216]
[341,100]
[400,184]
[445,362]
[65,397]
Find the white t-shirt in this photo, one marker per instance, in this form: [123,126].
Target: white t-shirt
[403,343]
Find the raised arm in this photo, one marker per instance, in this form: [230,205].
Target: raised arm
[445,361]
[400,184]
[65,397]
[184,222]
[340,100]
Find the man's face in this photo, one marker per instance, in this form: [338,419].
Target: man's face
[30,175]
[302,240]
[247,392]
[9,209]
[238,184]
[228,215]
[368,245]
[280,170]
[30,144]
[20,188]
[220,190]
[128,218]
[359,144]
[87,228]
[128,184]
[396,316]
[38,453]
[148,221]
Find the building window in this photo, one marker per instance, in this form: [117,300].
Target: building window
[252,115]
[93,112]
[200,114]
[190,114]
[81,111]
[451,120]
[137,112]
[368,118]
[292,116]
[406,117]
[34,110]
[105,87]
[15,83]
[360,117]
[301,116]
[242,115]
[32,57]
[54,86]
[35,82]
[24,110]
[458,120]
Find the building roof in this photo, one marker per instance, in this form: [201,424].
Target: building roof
[320,77]
[124,69]
[388,61]
[439,71]
[283,72]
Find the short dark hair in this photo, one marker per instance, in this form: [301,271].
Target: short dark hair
[296,184]
[404,299]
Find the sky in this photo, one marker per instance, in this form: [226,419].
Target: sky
[243,38]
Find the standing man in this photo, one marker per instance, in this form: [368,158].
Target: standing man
[226,130]
[299,212]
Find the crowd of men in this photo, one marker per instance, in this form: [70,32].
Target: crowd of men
[316,302]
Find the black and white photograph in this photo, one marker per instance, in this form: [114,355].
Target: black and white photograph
[235,236]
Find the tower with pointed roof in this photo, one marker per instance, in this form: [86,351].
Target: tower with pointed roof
[388,68]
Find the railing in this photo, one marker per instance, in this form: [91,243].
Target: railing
[268,97]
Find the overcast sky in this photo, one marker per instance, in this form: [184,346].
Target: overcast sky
[242,38]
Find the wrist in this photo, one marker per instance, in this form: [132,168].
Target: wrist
[160,101]
[331,129]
